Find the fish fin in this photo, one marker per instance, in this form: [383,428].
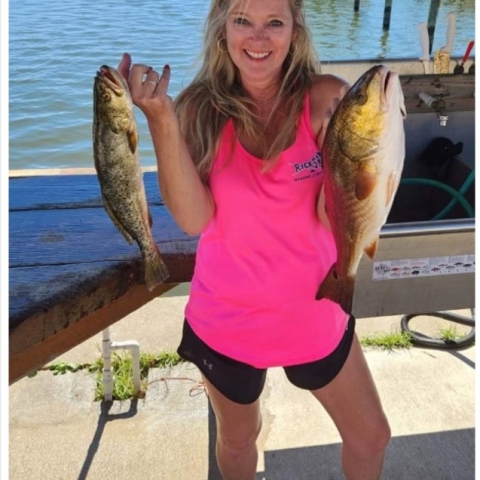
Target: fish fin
[365,183]
[371,250]
[150,219]
[337,289]
[156,271]
[117,222]
[392,186]
[132,136]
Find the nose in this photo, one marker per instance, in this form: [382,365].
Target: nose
[259,33]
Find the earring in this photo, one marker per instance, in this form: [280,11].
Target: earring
[219,45]
[293,49]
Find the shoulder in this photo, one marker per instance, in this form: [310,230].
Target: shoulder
[325,93]
[327,85]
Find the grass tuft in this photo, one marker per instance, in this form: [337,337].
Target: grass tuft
[388,341]
[122,373]
[121,369]
[450,334]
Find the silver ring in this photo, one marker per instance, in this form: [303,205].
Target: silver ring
[152,82]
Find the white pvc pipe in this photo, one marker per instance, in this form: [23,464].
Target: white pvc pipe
[134,348]
[107,376]
[435,105]
[424,43]
[429,100]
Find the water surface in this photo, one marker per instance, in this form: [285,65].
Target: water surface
[57,46]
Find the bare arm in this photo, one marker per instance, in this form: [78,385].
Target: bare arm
[325,95]
[186,196]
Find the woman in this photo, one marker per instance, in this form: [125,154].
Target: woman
[239,162]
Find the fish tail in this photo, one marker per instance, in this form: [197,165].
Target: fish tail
[337,289]
[156,271]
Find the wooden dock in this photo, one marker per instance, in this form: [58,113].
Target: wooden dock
[72,274]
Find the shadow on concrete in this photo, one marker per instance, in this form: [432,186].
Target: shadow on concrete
[432,456]
[213,470]
[103,419]
[463,358]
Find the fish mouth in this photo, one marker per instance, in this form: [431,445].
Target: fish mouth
[390,81]
[387,80]
[111,78]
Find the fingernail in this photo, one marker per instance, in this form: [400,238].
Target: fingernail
[167,67]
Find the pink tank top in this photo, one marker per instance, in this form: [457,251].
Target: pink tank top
[262,257]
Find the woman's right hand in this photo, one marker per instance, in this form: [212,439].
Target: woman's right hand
[124,66]
[148,88]
[187,198]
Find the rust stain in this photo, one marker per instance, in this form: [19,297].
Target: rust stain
[52,237]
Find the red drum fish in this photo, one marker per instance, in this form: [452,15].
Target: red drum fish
[363,155]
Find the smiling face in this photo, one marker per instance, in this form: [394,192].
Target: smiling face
[259,34]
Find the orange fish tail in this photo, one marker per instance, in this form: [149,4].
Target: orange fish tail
[337,289]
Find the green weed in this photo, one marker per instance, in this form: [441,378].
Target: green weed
[121,369]
[388,341]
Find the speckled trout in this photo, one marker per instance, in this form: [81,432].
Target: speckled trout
[363,155]
[115,151]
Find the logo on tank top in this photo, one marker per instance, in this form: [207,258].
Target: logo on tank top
[309,169]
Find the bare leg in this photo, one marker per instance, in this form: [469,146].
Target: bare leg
[352,401]
[238,427]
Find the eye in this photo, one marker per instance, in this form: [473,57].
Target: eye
[106,96]
[276,23]
[240,21]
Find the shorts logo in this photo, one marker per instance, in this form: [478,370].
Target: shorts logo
[310,168]
[208,365]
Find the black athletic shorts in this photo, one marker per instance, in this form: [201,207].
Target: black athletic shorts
[243,383]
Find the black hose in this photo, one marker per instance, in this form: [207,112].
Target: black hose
[425,341]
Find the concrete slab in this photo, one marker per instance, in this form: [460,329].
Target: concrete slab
[73,437]
[58,432]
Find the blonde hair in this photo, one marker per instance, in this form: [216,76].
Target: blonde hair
[216,93]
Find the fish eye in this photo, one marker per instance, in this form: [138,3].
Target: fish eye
[361,98]
[106,96]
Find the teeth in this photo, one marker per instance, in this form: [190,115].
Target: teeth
[257,55]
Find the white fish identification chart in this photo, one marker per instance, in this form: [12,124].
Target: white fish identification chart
[423,267]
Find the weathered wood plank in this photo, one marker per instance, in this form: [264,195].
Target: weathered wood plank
[457,91]
[67,191]
[59,253]
[41,288]
[72,273]
[43,172]
[66,236]
[29,352]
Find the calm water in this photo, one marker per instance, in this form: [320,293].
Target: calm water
[57,46]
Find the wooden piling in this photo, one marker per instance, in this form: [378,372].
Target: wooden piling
[432,20]
[386,14]
[356,5]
